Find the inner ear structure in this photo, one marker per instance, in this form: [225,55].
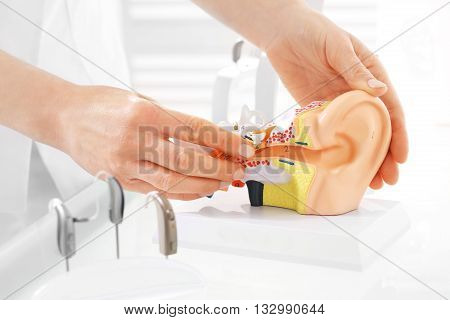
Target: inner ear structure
[321,158]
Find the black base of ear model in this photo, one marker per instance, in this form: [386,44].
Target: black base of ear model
[255,193]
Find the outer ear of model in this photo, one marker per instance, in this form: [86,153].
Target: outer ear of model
[320,158]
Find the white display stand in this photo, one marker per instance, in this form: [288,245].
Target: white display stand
[227,223]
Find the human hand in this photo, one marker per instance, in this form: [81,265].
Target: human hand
[104,128]
[317,60]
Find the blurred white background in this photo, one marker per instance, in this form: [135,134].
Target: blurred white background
[175,49]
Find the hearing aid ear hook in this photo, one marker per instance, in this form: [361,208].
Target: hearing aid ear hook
[167,226]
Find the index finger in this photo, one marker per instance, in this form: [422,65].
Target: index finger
[200,131]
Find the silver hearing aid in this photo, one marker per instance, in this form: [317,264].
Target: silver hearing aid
[116,207]
[66,229]
[66,222]
[167,226]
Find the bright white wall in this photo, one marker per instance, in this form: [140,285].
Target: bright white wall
[175,50]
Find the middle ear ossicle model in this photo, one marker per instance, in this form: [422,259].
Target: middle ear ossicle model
[318,159]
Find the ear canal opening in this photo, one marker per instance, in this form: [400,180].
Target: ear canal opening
[328,158]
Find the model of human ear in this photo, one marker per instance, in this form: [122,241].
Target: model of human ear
[320,158]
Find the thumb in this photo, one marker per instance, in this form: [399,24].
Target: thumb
[355,73]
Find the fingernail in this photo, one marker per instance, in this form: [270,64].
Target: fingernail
[246,151]
[374,83]
[224,185]
[239,174]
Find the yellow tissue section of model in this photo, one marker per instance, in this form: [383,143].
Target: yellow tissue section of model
[294,194]
[302,130]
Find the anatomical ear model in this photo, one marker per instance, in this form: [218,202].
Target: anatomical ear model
[319,159]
